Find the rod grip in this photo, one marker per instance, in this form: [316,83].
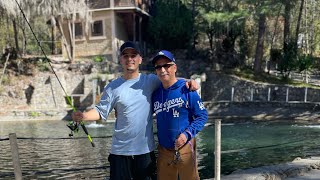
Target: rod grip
[86,131]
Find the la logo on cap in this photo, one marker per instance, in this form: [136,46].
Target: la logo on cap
[160,53]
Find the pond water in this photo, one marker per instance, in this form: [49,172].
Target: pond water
[47,152]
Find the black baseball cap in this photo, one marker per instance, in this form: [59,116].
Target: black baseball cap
[129,45]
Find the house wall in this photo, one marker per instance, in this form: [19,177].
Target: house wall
[121,34]
[93,46]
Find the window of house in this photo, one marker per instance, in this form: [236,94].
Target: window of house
[78,30]
[97,28]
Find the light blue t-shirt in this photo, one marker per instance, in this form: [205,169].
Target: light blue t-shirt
[133,131]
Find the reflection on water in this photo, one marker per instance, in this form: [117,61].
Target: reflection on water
[48,152]
[253,145]
[46,156]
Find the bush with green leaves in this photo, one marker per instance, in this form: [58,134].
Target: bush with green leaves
[305,62]
[98,59]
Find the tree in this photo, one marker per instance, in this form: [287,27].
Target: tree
[171,25]
[223,29]
[298,26]
[263,9]
[260,42]
[55,10]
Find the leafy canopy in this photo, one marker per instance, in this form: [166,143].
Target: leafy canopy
[171,26]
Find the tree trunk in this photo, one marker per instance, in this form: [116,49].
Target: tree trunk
[312,29]
[24,40]
[275,28]
[273,37]
[260,42]
[193,25]
[15,30]
[53,33]
[8,31]
[53,40]
[286,31]
[64,40]
[298,27]
[210,37]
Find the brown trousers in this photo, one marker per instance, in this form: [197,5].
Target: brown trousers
[186,168]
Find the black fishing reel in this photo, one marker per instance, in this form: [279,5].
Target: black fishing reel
[74,127]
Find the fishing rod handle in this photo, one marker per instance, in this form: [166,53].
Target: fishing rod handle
[86,131]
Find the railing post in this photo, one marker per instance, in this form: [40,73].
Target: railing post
[287,95]
[15,156]
[269,92]
[217,150]
[251,95]
[94,91]
[232,93]
[305,94]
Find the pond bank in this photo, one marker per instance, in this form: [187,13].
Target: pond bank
[238,112]
[229,112]
[38,115]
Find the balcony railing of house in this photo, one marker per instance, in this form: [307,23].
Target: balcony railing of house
[142,4]
[100,4]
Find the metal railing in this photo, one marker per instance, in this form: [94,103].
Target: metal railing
[263,94]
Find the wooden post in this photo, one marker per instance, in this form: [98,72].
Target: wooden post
[217,160]
[15,156]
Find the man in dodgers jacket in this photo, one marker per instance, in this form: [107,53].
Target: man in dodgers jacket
[180,116]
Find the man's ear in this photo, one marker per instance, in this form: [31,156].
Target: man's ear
[140,61]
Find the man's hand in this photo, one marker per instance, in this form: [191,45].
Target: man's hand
[180,141]
[77,116]
[192,85]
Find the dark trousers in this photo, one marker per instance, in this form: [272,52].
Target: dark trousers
[138,167]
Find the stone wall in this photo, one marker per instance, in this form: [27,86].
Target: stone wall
[48,93]
[264,111]
[48,100]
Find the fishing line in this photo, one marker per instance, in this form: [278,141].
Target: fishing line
[74,127]
[35,138]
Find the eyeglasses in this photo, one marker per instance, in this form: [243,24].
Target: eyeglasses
[166,66]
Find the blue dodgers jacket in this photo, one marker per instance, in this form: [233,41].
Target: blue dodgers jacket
[178,110]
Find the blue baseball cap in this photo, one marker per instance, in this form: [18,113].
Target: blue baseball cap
[163,53]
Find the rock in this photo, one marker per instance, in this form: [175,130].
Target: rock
[297,167]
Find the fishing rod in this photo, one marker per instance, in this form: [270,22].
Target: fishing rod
[74,126]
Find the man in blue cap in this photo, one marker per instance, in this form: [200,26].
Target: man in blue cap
[132,150]
[180,116]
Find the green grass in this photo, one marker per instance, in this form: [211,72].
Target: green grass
[5,79]
[34,114]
